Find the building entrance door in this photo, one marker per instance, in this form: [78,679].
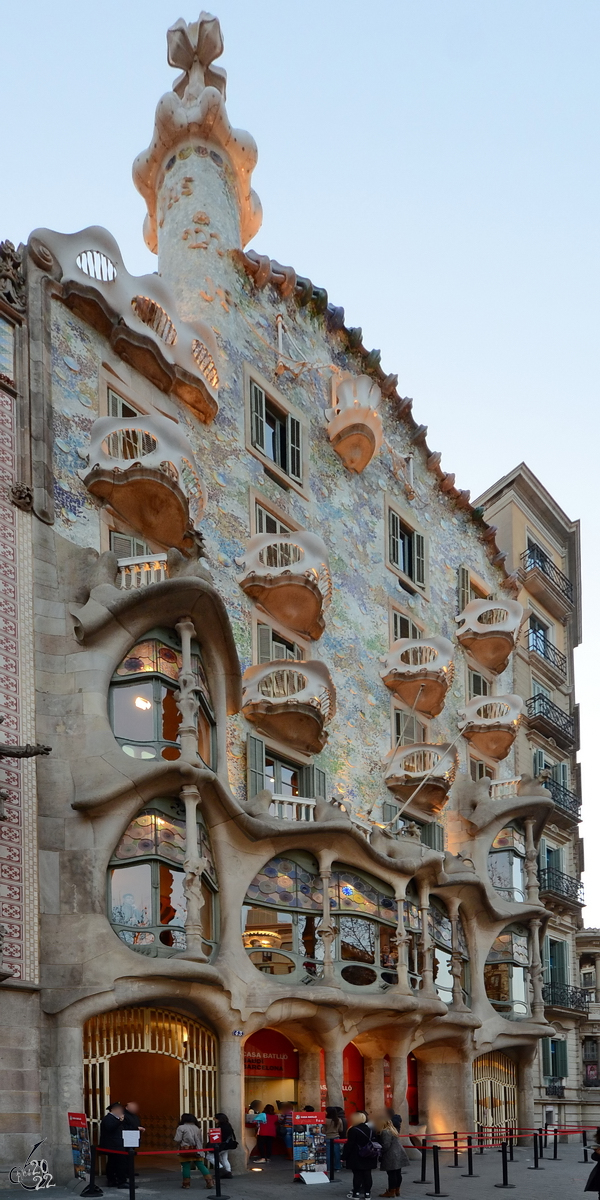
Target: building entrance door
[495,1081]
[165,1061]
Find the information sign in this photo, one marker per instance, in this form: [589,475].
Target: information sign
[80,1144]
[310,1145]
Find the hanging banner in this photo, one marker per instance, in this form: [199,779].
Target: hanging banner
[80,1144]
[310,1147]
[270,1055]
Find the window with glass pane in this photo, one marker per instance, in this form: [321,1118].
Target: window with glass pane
[480,770]
[478,685]
[275,433]
[406,548]
[403,627]
[272,645]
[505,972]
[538,635]
[147,903]
[409,730]
[266,522]
[7,350]
[144,713]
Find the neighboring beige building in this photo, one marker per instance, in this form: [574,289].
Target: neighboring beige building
[542,547]
[288,829]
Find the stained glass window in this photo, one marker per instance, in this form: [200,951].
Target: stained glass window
[510,946]
[509,838]
[284,882]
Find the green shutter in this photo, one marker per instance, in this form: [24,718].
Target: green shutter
[560,1060]
[432,835]
[538,762]
[257,408]
[546,959]
[294,448]
[419,558]
[546,1057]
[388,812]
[464,588]
[561,963]
[263,638]
[314,783]
[255,761]
[394,537]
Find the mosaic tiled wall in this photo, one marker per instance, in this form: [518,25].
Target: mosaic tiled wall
[346,510]
[18,833]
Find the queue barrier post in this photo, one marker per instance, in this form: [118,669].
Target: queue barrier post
[480,1139]
[555,1154]
[131,1172]
[541,1142]
[331,1163]
[92,1188]
[469,1174]
[583,1142]
[546,1136]
[435,1150]
[505,1183]
[455,1151]
[511,1144]
[423,1149]
[536,1156]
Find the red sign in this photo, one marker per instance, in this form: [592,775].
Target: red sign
[270,1055]
[308,1118]
[214,1135]
[79,1119]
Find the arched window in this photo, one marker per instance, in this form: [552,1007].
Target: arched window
[146,902]
[143,709]
[283,909]
[506,862]
[505,973]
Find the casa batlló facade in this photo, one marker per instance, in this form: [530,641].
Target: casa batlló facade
[271,645]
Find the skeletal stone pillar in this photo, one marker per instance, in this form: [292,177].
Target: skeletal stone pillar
[536,974]
[309,1082]
[193,866]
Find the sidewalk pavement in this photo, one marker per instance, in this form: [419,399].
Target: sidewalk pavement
[561,1180]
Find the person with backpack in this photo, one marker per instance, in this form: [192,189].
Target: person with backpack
[228,1142]
[360,1155]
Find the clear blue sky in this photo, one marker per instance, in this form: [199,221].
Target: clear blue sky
[432,163]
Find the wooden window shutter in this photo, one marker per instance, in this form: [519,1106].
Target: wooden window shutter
[546,959]
[257,408]
[419,558]
[560,1059]
[388,812]
[432,835]
[294,448]
[394,537]
[255,763]
[263,640]
[561,971]
[464,588]
[538,762]
[546,1057]
[314,783]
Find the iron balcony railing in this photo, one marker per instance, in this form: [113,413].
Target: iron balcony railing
[563,995]
[536,557]
[552,655]
[555,1087]
[559,884]
[541,706]
[567,801]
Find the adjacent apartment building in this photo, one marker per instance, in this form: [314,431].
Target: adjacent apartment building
[310,712]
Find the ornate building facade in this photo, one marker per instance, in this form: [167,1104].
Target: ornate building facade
[276,653]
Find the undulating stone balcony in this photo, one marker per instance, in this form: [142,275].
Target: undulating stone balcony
[288,576]
[425,772]
[141,571]
[144,469]
[490,723]
[354,428]
[420,671]
[291,703]
[489,631]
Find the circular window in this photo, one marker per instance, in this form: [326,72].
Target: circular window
[359,976]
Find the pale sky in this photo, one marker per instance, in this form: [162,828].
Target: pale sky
[432,163]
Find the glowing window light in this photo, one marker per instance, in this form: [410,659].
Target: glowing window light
[141,702]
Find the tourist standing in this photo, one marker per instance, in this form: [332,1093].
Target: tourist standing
[111,1138]
[189,1139]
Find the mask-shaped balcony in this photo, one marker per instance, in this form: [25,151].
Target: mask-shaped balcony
[490,723]
[292,704]
[420,671]
[143,467]
[354,428]
[288,577]
[424,766]
[489,631]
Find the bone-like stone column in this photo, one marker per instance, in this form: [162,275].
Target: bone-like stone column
[456,968]
[535,970]
[533,889]
[374,1095]
[309,1082]
[193,865]
[334,1076]
[187,695]
[427,988]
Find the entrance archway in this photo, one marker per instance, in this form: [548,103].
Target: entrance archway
[165,1061]
[495,1082]
[270,1068]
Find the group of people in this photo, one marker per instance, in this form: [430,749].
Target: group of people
[117,1118]
[188,1136]
[372,1142]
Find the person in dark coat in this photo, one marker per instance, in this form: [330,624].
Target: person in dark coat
[111,1138]
[393,1156]
[359,1135]
[228,1142]
[593,1183]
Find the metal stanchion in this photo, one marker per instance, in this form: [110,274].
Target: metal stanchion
[469,1174]
[92,1188]
[480,1140]
[436,1173]
[331,1147]
[216,1149]
[546,1136]
[583,1142]
[455,1149]
[555,1154]
[536,1157]
[131,1173]
[505,1183]
[510,1144]
[423,1149]
[541,1142]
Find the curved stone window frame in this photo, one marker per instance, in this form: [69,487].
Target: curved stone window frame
[165,855]
[506,973]
[156,683]
[506,863]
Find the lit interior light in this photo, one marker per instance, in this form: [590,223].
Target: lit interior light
[257,1170]
[141,702]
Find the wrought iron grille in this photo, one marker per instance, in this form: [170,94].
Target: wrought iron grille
[555,1087]
[540,644]
[536,557]
[568,801]
[541,706]
[563,995]
[555,881]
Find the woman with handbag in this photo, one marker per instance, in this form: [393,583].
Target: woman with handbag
[189,1140]
[360,1155]
[228,1142]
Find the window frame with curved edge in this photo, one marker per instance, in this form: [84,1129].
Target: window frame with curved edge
[156,702]
[166,830]
[514,1005]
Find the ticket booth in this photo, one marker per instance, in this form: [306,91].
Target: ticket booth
[270,1069]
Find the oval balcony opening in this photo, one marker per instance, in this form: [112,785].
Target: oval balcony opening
[97,265]
[283,683]
[489,631]
[492,616]
[155,317]
[420,671]
[417,656]
[429,768]
[293,706]
[491,725]
[288,577]
[129,444]
[493,711]
[280,554]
